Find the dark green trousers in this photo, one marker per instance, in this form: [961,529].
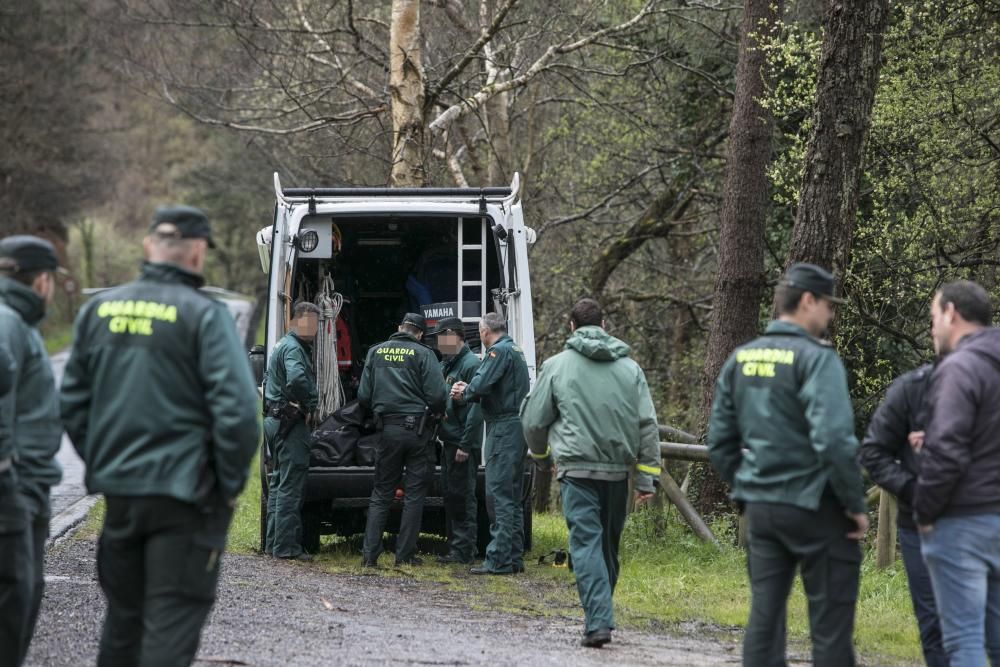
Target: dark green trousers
[595,514]
[16,572]
[158,564]
[286,488]
[459,481]
[782,538]
[505,451]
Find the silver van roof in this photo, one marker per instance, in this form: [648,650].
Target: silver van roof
[505,195]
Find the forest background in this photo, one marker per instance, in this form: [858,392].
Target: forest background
[619,115]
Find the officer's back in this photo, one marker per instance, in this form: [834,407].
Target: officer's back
[402,377]
[166,382]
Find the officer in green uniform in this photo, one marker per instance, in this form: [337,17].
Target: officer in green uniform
[595,438]
[289,397]
[159,401]
[461,433]
[31,412]
[401,384]
[782,436]
[500,384]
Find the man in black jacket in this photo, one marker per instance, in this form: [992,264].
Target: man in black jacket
[957,498]
[889,453]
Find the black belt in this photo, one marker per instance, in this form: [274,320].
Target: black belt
[401,420]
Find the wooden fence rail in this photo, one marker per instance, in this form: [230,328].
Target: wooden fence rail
[885,535]
[684,452]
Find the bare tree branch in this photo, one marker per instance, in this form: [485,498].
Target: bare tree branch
[486,34]
[473,103]
[336,63]
[315,124]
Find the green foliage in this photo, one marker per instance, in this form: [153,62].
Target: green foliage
[931,190]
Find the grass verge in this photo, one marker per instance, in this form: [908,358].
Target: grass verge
[668,577]
[58,338]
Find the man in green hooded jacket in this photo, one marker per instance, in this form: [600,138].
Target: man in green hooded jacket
[499,385]
[159,402]
[290,395]
[461,433]
[31,412]
[591,413]
[781,435]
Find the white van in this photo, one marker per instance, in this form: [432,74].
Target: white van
[442,252]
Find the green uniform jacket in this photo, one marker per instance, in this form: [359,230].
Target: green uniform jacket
[402,377]
[31,407]
[591,410]
[463,422]
[290,374]
[782,426]
[501,382]
[158,398]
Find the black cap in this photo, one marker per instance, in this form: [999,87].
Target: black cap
[188,222]
[24,253]
[449,324]
[415,320]
[811,278]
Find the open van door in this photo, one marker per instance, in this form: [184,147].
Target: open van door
[512,241]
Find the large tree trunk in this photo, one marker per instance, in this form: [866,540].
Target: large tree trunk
[845,92]
[406,87]
[740,283]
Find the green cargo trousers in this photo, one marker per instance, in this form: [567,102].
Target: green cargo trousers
[286,489]
[782,538]
[16,574]
[460,507]
[595,514]
[158,564]
[505,451]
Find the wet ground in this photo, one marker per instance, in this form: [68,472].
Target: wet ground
[272,612]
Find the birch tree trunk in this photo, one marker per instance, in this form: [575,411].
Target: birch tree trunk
[406,89]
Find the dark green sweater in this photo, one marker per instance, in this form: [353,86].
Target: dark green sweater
[463,422]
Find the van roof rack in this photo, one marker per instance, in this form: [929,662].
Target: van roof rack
[468,194]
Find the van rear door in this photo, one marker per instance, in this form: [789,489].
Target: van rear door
[516,277]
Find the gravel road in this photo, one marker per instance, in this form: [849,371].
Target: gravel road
[272,612]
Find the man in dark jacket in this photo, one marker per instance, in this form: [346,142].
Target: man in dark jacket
[888,452]
[595,438]
[782,436]
[290,396]
[401,384]
[31,412]
[461,433]
[957,498]
[500,384]
[159,402]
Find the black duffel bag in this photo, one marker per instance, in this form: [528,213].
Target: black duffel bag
[335,442]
